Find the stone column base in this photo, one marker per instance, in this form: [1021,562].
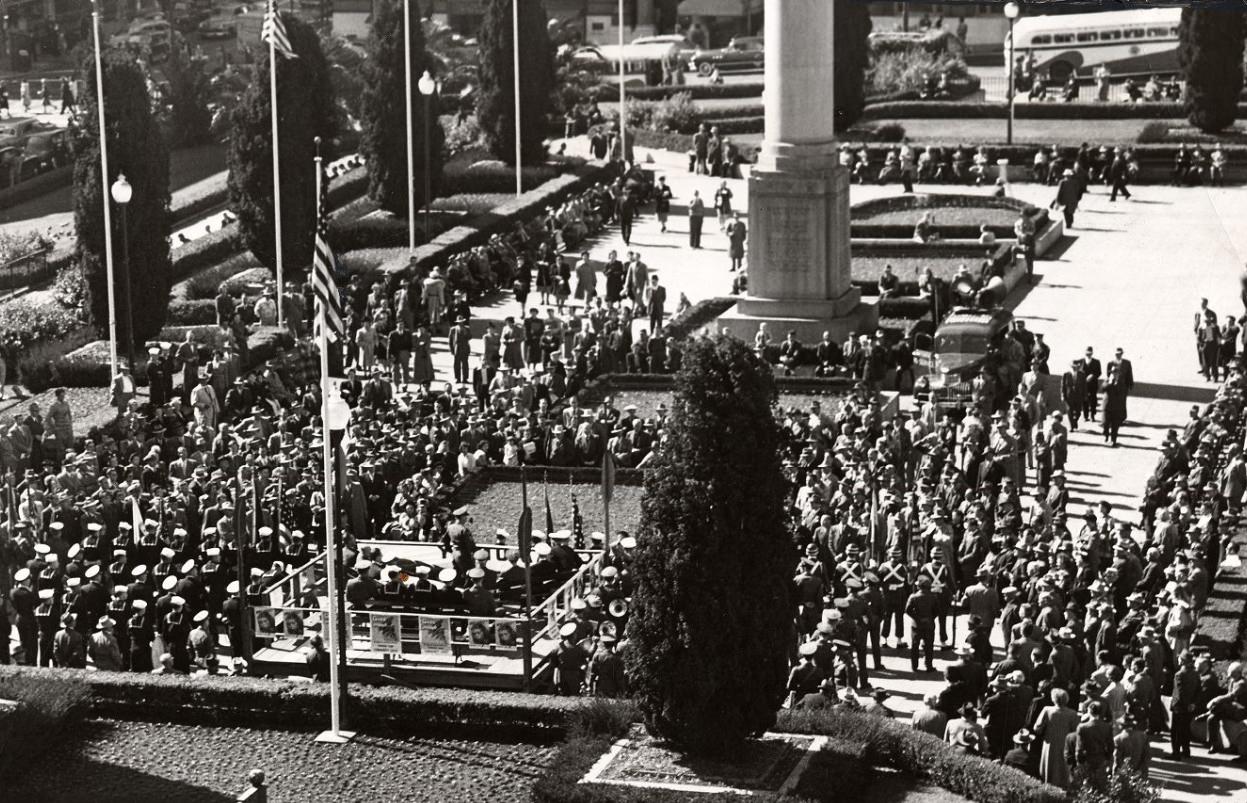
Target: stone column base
[841,316]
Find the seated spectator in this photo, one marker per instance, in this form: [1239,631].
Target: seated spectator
[986,235]
[889,284]
[891,170]
[790,352]
[924,230]
[1216,166]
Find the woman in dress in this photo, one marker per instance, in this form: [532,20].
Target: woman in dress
[1055,722]
[512,339]
[61,419]
[1114,405]
[723,203]
[422,358]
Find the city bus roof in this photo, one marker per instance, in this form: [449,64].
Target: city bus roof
[1098,19]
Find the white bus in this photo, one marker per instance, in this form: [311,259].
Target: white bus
[1132,42]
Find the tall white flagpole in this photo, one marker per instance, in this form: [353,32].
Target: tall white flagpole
[411,145]
[519,128]
[623,102]
[105,195]
[329,628]
[272,88]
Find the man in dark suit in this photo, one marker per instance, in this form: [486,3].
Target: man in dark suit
[1068,191]
[1093,371]
[1074,391]
[1125,371]
[461,349]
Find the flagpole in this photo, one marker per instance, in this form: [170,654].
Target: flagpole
[105,196]
[272,88]
[515,67]
[329,628]
[411,145]
[623,101]
[608,490]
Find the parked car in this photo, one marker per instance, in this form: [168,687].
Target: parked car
[218,28]
[686,48]
[742,53]
[50,146]
[14,133]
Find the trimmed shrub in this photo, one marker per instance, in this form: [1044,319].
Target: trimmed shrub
[206,283]
[495,98]
[240,282]
[197,199]
[192,313]
[982,110]
[266,343]
[47,706]
[894,744]
[890,132]
[491,175]
[712,506]
[259,702]
[306,109]
[605,93]
[207,251]
[1210,50]
[23,324]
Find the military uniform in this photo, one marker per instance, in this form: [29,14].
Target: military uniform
[942,589]
[894,579]
[922,607]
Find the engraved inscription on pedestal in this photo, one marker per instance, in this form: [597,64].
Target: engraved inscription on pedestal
[788,227]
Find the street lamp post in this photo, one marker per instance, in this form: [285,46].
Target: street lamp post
[335,415]
[1012,11]
[122,192]
[108,215]
[427,87]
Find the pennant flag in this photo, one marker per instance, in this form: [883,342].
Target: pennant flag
[324,269]
[273,32]
[608,476]
[578,525]
[549,514]
[136,519]
[524,532]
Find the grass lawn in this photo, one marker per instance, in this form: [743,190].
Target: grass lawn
[136,761]
[497,505]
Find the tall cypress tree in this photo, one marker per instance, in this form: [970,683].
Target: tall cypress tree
[137,149]
[852,35]
[1210,50]
[384,112]
[711,620]
[495,101]
[305,111]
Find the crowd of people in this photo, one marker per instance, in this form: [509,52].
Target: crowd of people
[1095,614]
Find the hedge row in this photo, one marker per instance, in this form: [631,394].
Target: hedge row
[201,197]
[905,203]
[607,93]
[259,702]
[894,744]
[682,143]
[1027,111]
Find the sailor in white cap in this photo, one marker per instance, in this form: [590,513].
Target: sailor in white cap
[571,661]
[201,643]
[25,600]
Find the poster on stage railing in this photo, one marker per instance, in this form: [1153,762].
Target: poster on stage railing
[384,633]
[435,635]
[266,620]
[506,635]
[481,633]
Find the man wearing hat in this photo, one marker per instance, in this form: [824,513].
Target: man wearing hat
[922,608]
[46,617]
[103,647]
[606,670]
[176,631]
[942,587]
[981,599]
[806,677]
[201,644]
[25,602]
[570,661]
[1068,193]
[1022,756]
[69,647]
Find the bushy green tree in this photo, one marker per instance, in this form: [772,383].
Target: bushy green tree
[190,120]
[306,110]
[852,35]
[495,101]
[136,148]
[1210,50]
[384,112]
[711,622]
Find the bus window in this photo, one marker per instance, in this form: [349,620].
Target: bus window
[1041,39]
[1087,36]
[1133,33]
[1106,36]
[1173,31]
[1157,33]
[1062,38]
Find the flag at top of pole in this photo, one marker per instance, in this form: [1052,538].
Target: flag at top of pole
[273,32]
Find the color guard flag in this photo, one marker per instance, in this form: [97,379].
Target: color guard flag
[608,476]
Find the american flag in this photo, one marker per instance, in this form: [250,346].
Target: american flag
[324,268]
[273,31]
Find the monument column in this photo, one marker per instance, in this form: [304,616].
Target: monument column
[799,268]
